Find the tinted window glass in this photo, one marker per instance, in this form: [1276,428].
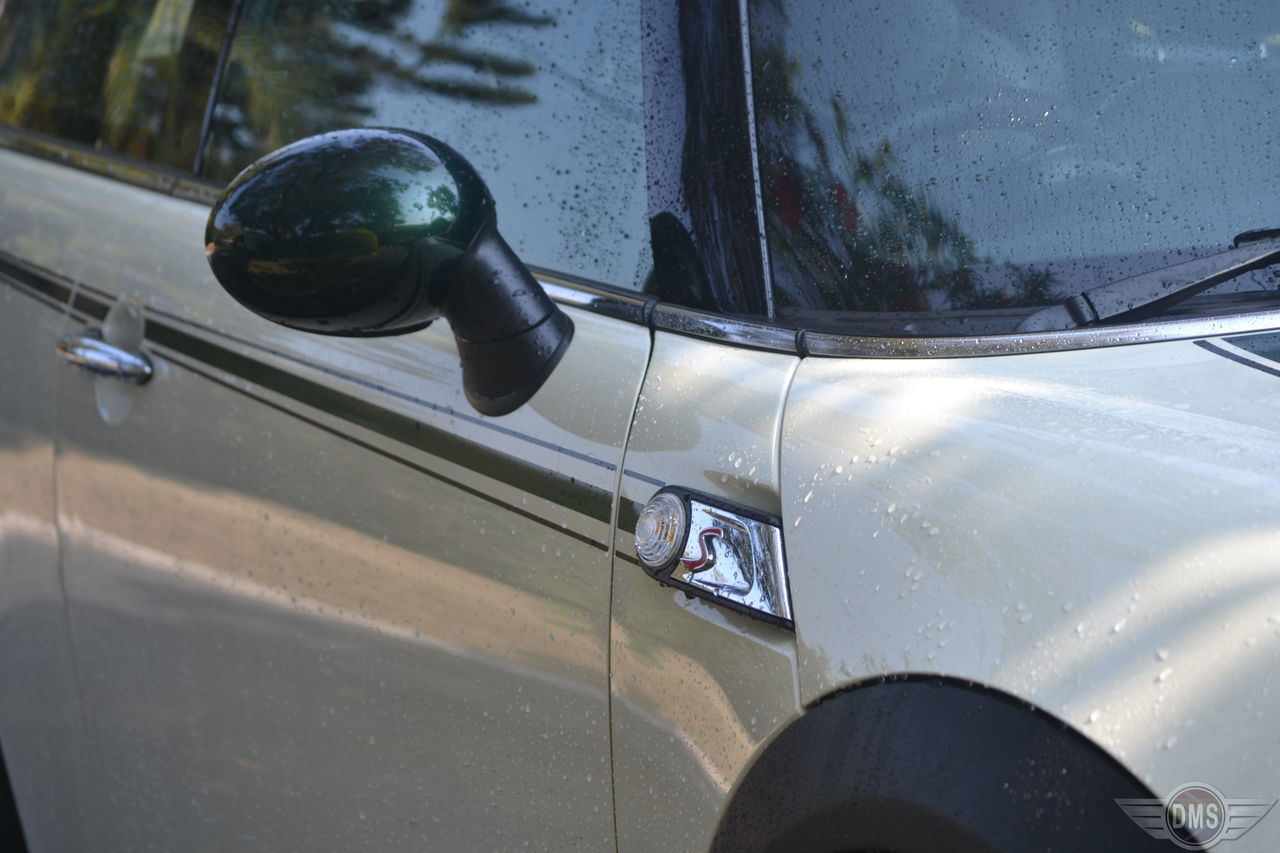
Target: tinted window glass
[544,99]
[130,76]
[973,156]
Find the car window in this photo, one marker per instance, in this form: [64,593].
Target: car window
[544,99]
[945,167]
[129,76]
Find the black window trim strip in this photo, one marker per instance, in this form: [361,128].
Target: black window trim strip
[703,212]
[750,333]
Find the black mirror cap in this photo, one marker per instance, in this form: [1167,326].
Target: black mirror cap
[338,233]
[377,232]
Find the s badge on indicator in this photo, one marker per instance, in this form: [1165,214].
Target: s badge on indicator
[716,550]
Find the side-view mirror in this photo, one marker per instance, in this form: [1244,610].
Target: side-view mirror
[378,232]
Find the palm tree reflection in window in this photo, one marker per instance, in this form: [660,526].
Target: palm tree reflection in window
[297,69]
[847,230]
[124,75]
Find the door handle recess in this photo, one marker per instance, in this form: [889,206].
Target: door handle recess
[87,349]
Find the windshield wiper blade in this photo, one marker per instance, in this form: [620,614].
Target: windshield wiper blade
[1149,293]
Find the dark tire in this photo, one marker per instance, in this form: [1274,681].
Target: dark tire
[916,765]
[11,837]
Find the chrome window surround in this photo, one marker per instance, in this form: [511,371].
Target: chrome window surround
[637,308]
[766,267]
[805,342]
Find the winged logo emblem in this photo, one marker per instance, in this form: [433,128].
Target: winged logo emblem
[1196,816]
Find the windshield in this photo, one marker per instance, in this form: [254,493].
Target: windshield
[945,166]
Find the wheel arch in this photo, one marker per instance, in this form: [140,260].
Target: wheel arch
[919,763]
[11,835]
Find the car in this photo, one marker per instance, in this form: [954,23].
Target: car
[773,425]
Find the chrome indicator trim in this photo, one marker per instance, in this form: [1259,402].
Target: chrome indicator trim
[731,555]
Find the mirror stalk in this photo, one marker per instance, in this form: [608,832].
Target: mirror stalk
[510,334]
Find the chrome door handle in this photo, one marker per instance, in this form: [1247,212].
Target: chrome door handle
[87,349]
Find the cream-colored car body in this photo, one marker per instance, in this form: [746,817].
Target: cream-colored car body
[1096,532]
[311,599]
[697,689]
[37,691]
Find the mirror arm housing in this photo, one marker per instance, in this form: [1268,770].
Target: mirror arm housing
[510,335]
[378,231]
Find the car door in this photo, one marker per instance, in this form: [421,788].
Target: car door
[39,719]
[315,598]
